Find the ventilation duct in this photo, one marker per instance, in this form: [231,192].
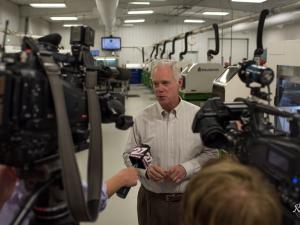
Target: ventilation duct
[283,18]
[107,10]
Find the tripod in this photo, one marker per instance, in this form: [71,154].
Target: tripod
[47,203]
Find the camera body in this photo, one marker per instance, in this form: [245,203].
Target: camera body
[28,125]
[243,128]
[28,122]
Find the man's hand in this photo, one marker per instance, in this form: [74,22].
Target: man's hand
[176,173]
[8,179]
[156,173]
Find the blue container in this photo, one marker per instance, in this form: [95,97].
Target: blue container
[136,76]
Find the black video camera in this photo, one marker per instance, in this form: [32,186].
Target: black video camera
[49,108]
[257,144]
[244,128]
[112,103]
[28,121]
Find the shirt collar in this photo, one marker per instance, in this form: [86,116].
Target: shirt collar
[176,111]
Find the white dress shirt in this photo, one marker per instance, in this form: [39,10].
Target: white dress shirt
[172,142]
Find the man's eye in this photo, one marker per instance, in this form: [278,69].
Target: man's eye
[165,83]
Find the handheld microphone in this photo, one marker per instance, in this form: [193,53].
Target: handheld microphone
[140,158]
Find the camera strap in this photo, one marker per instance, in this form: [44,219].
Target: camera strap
[95,160]
[70,172]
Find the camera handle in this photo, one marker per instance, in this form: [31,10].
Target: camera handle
[70,172]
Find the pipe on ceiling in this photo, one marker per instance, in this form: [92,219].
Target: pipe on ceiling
[164,49]
[181,54]
[156,51]
[253,17]
[211,52]
[154,46]
[107,10]
[173,47]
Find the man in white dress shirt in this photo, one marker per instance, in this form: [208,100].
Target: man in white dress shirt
[166,126]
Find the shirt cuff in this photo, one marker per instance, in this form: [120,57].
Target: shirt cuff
[142,173]
[190,168]
[103,198]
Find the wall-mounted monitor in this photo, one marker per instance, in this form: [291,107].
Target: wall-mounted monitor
[111,43]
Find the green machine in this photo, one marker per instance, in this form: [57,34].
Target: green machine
[198,78]
[146,78]
[198,81]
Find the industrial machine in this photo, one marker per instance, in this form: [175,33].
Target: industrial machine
[198,78]
[228,85]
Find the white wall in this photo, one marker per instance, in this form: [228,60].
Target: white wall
[141,35]
[10,11]
[138,36]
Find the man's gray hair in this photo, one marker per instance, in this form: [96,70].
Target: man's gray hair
[167,62]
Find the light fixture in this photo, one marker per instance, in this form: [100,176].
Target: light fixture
[135,21]
[139,3]
[48,5]
[140,12]
[215,13]
[57,18]
[194,21]
[249,1]
[72,25]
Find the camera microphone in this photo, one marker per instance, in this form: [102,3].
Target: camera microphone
[140,158]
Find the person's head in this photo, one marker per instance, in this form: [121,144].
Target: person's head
[228,193]
[167,81]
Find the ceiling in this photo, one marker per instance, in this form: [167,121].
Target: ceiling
[165,11]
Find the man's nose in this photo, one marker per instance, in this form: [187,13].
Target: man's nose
[159,87]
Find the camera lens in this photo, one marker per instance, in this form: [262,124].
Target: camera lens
[267,77]
[212,134]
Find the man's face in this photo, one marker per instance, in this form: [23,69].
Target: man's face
[166,87]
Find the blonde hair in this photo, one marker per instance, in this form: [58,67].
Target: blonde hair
[166,62]
[228,193]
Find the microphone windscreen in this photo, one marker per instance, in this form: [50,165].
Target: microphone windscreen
[141,156]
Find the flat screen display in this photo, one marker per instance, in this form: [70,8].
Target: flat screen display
[111,43]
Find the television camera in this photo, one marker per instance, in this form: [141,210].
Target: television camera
[257,142]
[48,110]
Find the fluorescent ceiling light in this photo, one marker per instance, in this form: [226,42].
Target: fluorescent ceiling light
[141,12]
[194,21]
[249,1]
[134,21]
[57,18]
[48,5]
[216,13]
[72,25]
[139,3]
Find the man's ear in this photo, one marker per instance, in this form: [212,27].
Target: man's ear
[180,82]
